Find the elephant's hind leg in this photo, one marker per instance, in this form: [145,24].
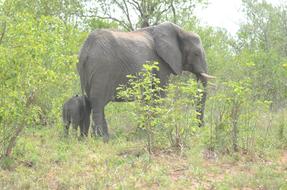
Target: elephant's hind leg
[75,126]
[100,124]
[97,130]
[66,128]
[84,127]
[100,94]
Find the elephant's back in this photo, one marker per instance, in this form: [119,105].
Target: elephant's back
[118,48]
[73,109]
[98,42]
[124,52]
[108,56]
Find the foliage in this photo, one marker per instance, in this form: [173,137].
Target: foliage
[233,119]
[262,42]
[38,57]
[180,117]
[134,14]
[265,26]
[66,11]
[245,114]
[144,88]
[171,118]
[95,23]
[254,60]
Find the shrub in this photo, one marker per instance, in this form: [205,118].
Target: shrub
[170,120]
[38,57]
[233,117]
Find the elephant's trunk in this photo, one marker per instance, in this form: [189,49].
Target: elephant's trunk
[200,107]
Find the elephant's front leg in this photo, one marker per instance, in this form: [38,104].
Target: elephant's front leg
[100,125]
[82,129]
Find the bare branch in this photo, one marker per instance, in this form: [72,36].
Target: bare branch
[124,8]
[128,15]
[159,15]
[126,26]
[108,17]
[148,12]
[173,12]
[3,32]
[137,6]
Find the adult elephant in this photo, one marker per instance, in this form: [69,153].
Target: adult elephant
[108,56]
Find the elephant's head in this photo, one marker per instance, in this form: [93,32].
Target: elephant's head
[182,50]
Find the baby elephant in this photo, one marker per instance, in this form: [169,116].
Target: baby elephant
[76,111]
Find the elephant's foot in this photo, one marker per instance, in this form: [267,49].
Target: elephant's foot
[66,133]
[97,131]
[81,138]
[106,138]
[100,130]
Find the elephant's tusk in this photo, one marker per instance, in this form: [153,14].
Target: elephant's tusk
[207,76]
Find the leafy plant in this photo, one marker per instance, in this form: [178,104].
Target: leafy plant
[37,64]
[145,90]
[180,117]
[233,115]
[171,118]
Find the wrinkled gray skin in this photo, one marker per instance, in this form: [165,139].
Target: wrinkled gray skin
[108,56]
[76,112]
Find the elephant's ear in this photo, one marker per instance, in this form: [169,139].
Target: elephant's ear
[167,45]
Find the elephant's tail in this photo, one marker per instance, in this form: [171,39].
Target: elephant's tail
[82,64]
[83,57]
[80,68]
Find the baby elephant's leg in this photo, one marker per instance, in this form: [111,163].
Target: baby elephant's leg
[66,128]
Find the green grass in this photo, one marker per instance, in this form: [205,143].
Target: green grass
[44,159]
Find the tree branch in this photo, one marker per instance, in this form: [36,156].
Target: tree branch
[125,25]
[137,7]
[12,141]
[3,32]
[128,15]
[173,12]
[158,17]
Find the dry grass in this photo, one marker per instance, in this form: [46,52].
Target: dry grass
[43,159]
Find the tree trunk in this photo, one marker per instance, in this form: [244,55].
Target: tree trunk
[12,141]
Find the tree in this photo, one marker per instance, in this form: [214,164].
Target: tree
[266,27]
[132,14]
[37,70]
[263,43]
[68,11]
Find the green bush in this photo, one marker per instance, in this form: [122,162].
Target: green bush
[169,120]
[38,57]
[180,117]
[234,115]
[144,89]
